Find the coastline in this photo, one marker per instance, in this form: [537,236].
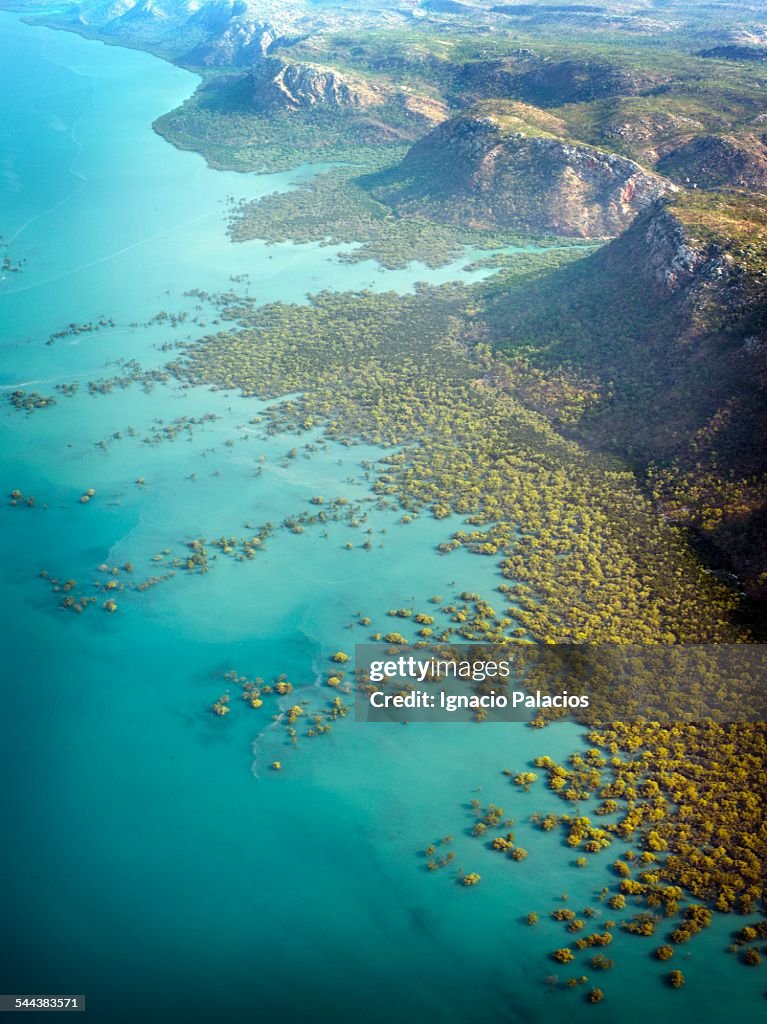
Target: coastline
[124,757]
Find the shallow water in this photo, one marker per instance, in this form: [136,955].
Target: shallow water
[149,860]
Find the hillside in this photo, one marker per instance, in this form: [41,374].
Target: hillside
[285,85]
[550,82]
[668,323]
[713,161]
[518,170]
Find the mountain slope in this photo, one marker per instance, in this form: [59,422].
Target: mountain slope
[669,324]
[517,170]
[713,161]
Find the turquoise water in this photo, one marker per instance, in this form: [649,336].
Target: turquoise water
[149,860]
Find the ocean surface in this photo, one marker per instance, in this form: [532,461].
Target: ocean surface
[149,857]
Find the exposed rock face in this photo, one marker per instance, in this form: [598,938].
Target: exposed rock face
[713,161]
[217,15]
[706,351]
[548,83]
[719,303]
[664,251]
[469,171]
[695,276]
[144,11]
[278,84]
[240,45]
[748,36]
[740,44]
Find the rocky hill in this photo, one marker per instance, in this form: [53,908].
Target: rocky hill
[742,43]
[517,171]
[548,82]
[211,33]
[648,135]
[669,323]
[279,84]
[241,44]
[713,161]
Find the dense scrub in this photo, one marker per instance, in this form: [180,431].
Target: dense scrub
[394,371]
[334,208]
[220,121]
[688,800]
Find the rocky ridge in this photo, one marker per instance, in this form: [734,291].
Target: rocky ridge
[279,84]
[472,171]
[241,44]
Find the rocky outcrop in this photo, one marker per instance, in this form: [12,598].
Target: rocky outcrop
[716,161]
[427,109]
[739,44]
[706,280]
[672,316]
[278,84]
[472,172]
[693,276]
[662,251]
[702,369]
[145,11]
[240,45]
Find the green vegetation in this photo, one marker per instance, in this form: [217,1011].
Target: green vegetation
[398,371]
[674,385]
[9,264]
[219,120]
[690,804]
[30,401]
[682,801]
[733,220]
[333,208]
[392,370]
[318,721]
[635,100]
